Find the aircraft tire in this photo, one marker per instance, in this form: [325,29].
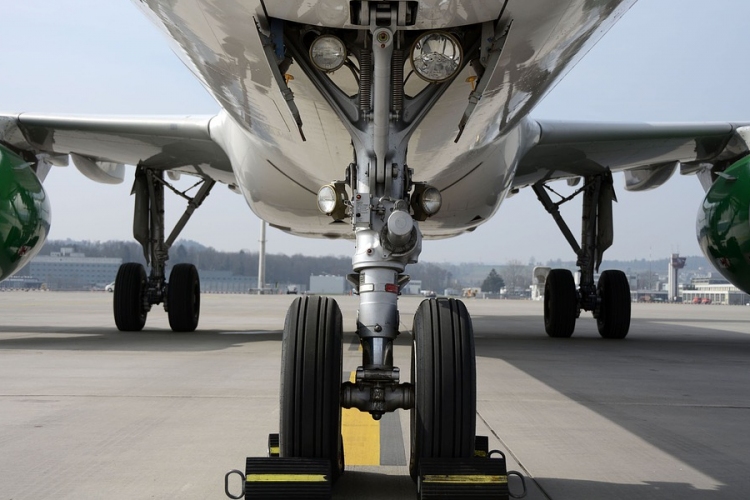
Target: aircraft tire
[184,298]
[560,304]
[130,316]
[311,371]
[443,371]
[613,318]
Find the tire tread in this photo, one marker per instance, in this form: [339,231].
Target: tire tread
[613,321]
[310,416]
[183,298]
[560,304]
[128,296]
[446,382]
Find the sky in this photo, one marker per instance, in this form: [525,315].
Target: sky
[665,61]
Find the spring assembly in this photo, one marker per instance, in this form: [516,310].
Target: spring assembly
[365,80]
[397,81]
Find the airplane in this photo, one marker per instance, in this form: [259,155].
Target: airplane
[390,123]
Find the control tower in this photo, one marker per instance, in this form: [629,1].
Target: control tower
[675,264]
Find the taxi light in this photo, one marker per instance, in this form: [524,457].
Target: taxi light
[327,199]
[331,200]
[425,201]
[436,56]
[328,53]
[431,201]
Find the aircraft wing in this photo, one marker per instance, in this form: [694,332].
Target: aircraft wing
[648,153]
[100,146]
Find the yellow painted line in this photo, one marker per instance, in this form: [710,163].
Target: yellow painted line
[361,436]
[285,478]
[465,478]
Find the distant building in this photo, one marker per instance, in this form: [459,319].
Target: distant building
[20,283]
[70,270]
[716,290]
[649,295]
[414,287]
[225,282]
[675,264]
[329,285]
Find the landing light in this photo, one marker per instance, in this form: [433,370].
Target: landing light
[328,53]
[436,56]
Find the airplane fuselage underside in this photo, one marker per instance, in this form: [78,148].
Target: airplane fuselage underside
[263,135]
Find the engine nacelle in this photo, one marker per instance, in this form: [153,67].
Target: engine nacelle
[24,213]
[723,225]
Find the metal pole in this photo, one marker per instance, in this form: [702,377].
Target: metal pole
[262,258]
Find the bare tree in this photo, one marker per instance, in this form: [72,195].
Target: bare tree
[517,276]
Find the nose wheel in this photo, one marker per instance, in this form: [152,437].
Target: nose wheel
[443,370]
[311,368]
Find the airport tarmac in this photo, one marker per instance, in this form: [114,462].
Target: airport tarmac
[87,412]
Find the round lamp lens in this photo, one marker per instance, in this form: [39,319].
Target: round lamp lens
[328,53]
[436,56]
[431,201]
[327,199]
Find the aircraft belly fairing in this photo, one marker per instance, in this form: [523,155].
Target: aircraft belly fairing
[284,194]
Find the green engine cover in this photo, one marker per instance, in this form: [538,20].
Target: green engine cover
[723,225]
[24,213]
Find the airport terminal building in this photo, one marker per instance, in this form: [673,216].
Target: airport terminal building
[70,270]
[716,290]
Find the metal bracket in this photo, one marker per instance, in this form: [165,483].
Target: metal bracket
[226,484]
[269,47]
[491,55]
[377,397]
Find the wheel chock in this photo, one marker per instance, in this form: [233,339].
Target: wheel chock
[469,478]
[287,478]
[283,478]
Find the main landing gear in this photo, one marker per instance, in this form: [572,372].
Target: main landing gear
[609,299]
[135,292]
